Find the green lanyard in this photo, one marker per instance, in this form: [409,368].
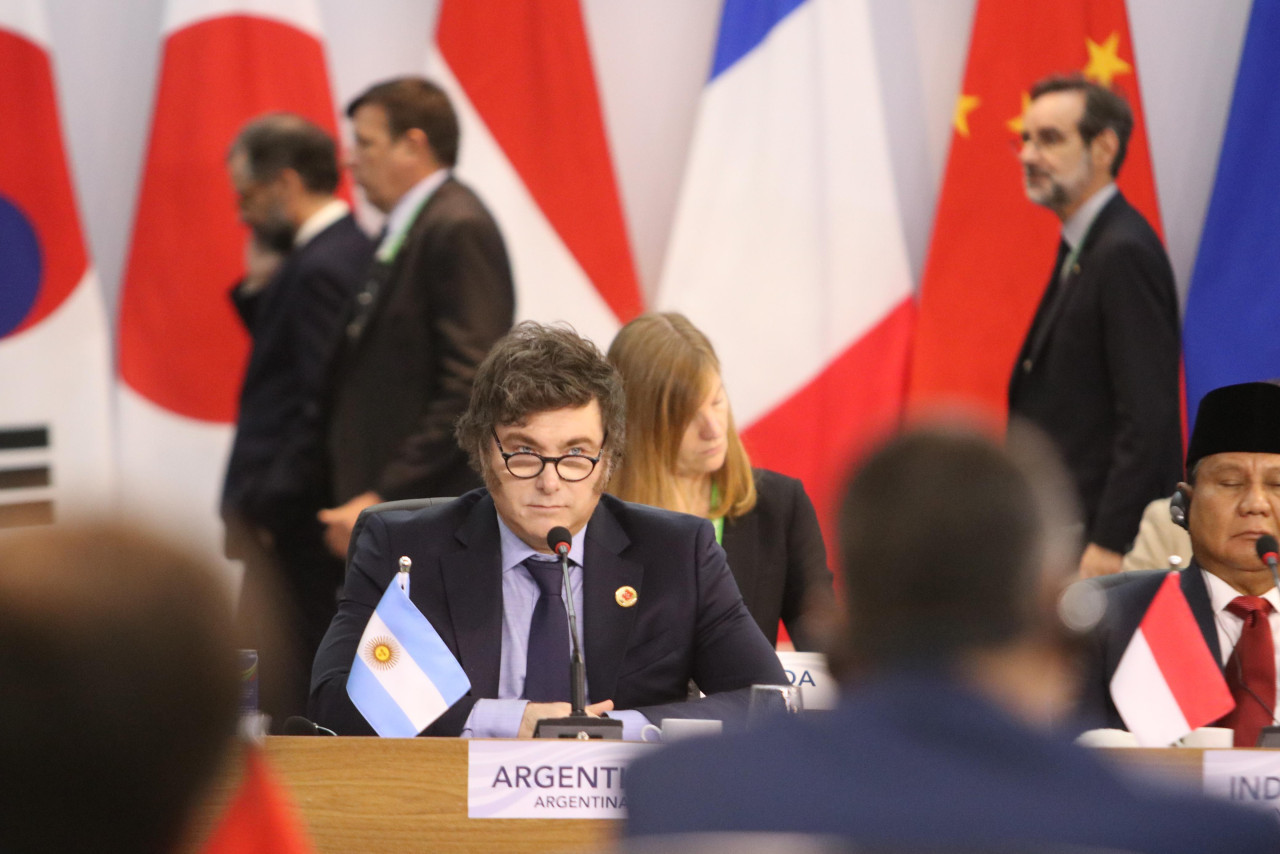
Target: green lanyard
[718,523]
[390,247]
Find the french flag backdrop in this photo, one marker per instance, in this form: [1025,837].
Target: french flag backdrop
[182,350]
[787,248]
[55,363]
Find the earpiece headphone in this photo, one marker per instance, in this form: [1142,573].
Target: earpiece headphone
[1179,503]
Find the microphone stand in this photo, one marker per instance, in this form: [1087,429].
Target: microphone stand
[578,724]
[1267,548]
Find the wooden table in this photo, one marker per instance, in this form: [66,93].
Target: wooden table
[359,795]
[404,795]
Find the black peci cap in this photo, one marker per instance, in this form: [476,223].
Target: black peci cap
[1237,418]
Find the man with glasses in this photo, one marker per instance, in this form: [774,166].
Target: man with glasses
[657,604]
[1098,370]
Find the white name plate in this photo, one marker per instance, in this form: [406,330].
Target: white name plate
[1250,777]
[549,778]
[809,671]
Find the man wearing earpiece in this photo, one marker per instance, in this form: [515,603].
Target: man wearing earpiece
[1230,498]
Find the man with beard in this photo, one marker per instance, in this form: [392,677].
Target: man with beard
[304,263]
[1098,370]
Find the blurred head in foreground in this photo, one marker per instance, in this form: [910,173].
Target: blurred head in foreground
[119,689]
[954,548]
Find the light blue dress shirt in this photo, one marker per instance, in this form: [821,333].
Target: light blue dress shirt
[501,718]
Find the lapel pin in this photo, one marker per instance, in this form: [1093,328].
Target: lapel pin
[626,596]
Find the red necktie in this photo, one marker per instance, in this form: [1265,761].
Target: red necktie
[1251,671]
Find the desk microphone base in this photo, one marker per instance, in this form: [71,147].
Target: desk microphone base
[583,728]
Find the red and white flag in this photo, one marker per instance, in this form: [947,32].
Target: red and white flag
[55,355]
[182,349]
[534,148]
[1167,683]
[787,248]
[261,817]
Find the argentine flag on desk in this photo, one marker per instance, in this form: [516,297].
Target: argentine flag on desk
[403,676]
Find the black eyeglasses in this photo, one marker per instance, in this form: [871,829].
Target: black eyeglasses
[571,467]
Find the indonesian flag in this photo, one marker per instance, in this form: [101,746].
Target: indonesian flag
[55,359]
[534,148]
[1167,683]
[787,248]
[992,249]
[261,818]
[182,349]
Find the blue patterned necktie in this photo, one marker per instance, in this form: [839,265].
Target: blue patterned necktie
[546,677]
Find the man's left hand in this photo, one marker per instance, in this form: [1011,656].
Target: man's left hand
[339,521]
[1098,561]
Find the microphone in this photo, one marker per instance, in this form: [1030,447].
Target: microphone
[578,724]
[1269,553]
[559,540]
[298,725]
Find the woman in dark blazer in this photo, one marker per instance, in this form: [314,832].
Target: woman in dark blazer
[683,453]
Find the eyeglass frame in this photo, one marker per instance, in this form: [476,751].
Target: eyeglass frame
[555,461]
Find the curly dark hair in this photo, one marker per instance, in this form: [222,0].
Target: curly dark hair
[540,368]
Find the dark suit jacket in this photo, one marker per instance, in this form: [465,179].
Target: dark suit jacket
[919,763]
[778,557]
[688,621]
[1127,603]
[277,472]
[411,351]
[1099,373]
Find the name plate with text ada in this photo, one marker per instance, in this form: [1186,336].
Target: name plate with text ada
[549,778]
[1250,777]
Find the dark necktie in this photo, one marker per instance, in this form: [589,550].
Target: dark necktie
[1251,671]
[1049,306]
[546,677]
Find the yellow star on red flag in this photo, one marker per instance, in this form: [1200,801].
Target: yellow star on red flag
[1015,124]
[1104,61]
[965,104]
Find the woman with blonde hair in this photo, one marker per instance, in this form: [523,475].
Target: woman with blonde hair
[683,453]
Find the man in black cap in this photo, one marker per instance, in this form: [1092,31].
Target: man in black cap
[1230,499]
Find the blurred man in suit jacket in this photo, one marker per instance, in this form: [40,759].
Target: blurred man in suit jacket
[1098,371]
[954,552]
[437,297]
[305,259]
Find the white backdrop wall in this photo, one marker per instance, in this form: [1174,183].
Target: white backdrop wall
[651,61]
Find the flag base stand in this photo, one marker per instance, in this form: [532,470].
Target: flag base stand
[581,727]
[1269,737]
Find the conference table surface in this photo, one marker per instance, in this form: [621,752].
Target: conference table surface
[359,795]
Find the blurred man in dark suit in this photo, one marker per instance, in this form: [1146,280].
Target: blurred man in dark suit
[285,173]
[120,690]
[437,297]
[1098,371]
[954,552]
